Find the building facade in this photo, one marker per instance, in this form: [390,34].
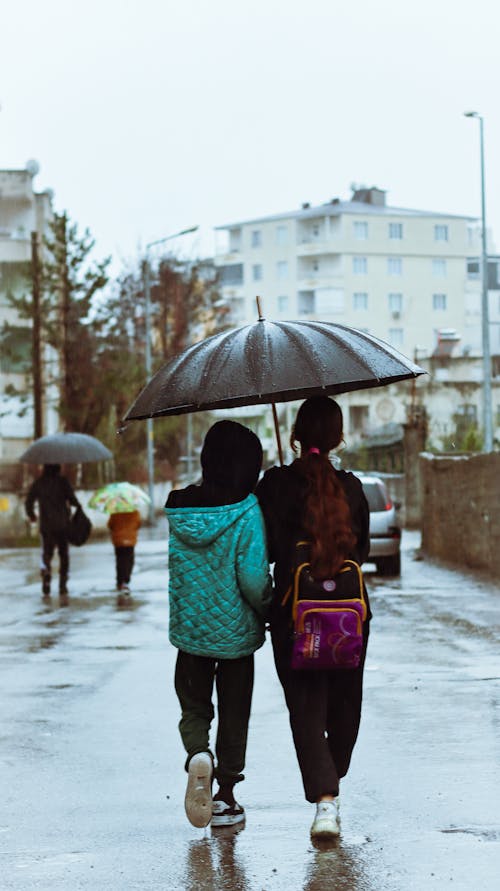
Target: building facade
[410,277]
[22,211]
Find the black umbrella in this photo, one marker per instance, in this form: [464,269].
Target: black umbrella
[65,448]
[270,362]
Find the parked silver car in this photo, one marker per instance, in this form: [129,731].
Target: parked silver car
[385,534]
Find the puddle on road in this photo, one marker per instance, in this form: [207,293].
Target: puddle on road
[481,834]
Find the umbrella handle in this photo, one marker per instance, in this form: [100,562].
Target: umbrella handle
[277,431]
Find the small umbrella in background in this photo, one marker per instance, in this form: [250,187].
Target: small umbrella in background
[65,448]
[119,498]
[271,362]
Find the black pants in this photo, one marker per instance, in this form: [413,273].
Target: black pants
[325,711]
[194,682]
[50,541]
[124,564]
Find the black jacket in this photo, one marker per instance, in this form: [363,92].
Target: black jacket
[281,494]
[54,494]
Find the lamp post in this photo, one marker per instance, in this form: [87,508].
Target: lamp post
[146,277]
[485,322]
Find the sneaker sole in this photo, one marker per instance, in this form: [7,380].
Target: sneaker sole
[198,801]
[227,820]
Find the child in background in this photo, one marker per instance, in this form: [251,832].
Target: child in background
[123,528]
[219,596]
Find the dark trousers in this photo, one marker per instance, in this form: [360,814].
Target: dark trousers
[124,564]
[50,541]
[194,682]
[325,711]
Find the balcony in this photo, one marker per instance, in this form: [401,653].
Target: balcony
[14,250]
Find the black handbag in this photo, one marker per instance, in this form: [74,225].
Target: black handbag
[79,528]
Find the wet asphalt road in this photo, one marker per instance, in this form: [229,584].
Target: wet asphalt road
[91,762]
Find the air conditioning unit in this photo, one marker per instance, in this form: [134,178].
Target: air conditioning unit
[396,314]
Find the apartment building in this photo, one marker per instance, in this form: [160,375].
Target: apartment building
[22,211]
[410,277]
[400,274]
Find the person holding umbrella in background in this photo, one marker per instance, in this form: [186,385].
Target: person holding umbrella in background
[122,502]
[124,527]
[54,494]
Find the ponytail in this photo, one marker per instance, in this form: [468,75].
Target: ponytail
[327,520]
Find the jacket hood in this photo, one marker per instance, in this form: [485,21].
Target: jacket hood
[200,526]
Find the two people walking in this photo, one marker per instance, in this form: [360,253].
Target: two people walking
[224,534]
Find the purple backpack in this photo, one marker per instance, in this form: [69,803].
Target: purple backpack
[328,616]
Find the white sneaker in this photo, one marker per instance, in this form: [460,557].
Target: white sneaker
[326,823]
[224,814]
[198,800]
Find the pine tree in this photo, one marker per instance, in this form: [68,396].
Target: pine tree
[71,283]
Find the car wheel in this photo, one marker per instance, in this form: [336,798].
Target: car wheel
[389,565]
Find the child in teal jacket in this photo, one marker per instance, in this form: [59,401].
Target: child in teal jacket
[219,594]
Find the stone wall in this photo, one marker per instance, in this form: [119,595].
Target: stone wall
[461,509]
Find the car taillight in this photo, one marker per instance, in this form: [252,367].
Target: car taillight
[394,532]
[388,505]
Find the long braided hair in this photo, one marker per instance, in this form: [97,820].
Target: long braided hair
[327,518]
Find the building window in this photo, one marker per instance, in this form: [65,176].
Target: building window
[395,302]
[360,231]
[283,303]
[396,337]
[394,266]
[396,231]
[15,352]
[257,272]
[306,303]
[282,269]
[473,269]
[465,418]
[359,265]
[439,301]
[231,274]
[439,268]
[256,238]
[315,265]
[360,300]
[358,418]
[281,235]
[440,232]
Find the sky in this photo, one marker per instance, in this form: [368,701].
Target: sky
[151,116]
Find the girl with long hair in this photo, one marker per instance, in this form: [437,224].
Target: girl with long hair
[310,500]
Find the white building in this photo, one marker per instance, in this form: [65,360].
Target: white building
[410,277]
[399,274]
[22,211]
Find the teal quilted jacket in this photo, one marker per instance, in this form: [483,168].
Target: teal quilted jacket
[220,586]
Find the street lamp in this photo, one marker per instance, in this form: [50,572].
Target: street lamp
[146,274]
[485,323]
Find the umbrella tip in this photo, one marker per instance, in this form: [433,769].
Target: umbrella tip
[259,309]
[121,429]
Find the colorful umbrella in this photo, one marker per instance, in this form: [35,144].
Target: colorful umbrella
[119,498]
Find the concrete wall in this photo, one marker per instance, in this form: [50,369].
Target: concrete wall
[461,510]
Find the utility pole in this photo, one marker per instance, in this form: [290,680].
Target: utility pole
[146,279]
[36,340]
[485,322]
[146,274]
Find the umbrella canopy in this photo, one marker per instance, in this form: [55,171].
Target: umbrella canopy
[119,498]
[65,448]
[270,362]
